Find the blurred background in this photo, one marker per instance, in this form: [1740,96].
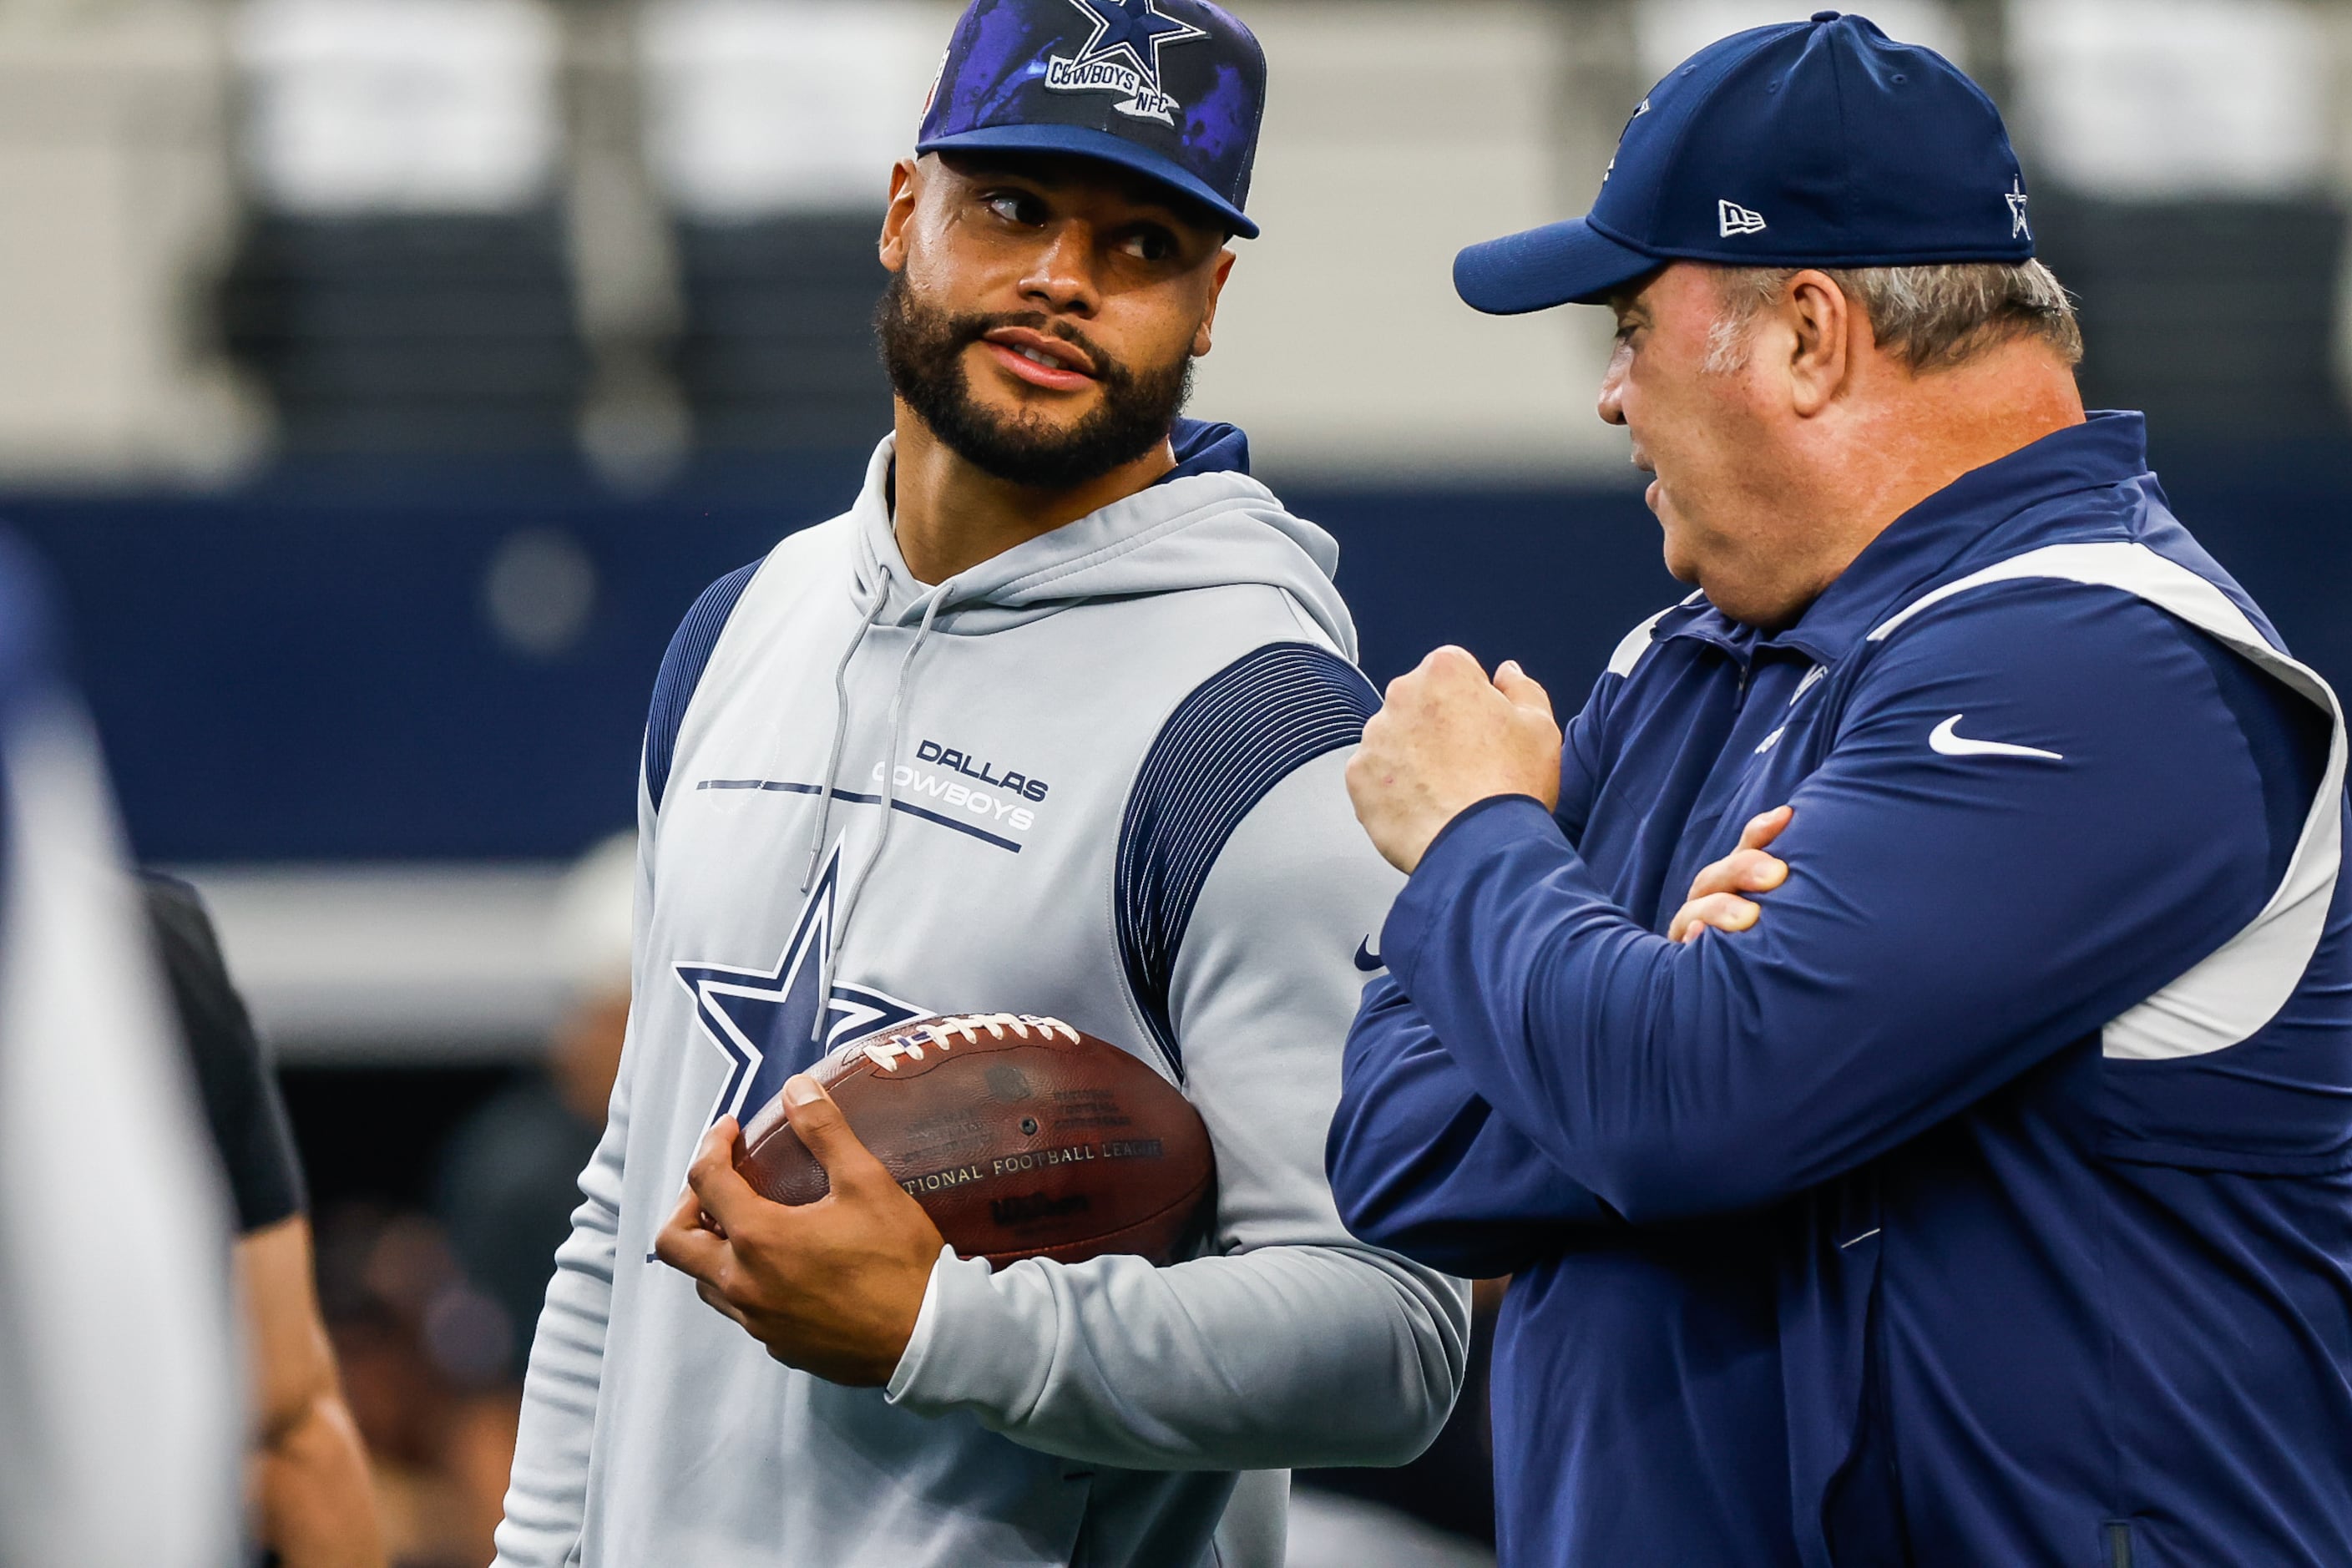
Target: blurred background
[384,378]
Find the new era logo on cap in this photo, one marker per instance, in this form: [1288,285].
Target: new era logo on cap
[1732,219]
[1847,148]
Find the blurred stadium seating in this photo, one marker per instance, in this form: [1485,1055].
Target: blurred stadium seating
[384,378]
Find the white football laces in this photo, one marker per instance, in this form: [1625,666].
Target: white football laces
[942,1034]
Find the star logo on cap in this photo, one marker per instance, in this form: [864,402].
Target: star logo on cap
[2016,200]
[1138,29]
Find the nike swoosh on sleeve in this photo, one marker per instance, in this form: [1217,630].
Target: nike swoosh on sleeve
[1945,738]
[1368,961]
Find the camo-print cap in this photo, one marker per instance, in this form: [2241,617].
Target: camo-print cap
[1172,89]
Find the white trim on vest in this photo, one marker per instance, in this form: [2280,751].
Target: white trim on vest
[1635,642]
[2242,984]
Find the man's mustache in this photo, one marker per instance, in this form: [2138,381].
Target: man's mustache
[972,329]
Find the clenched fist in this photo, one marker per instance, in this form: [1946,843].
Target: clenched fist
[1448,738]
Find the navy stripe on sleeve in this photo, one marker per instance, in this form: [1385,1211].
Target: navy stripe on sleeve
[681,672]
[1241,731]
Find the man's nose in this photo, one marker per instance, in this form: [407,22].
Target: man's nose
[1611,405]
[1062,279]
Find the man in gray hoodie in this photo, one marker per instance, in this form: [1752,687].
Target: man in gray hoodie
[1053,719]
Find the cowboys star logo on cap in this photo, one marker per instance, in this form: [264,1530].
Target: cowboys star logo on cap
[2016,200]
[1123,57]
[1173,90]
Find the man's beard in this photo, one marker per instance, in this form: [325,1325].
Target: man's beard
[923,347]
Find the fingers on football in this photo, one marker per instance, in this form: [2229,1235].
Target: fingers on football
[821,1126]
[686,1246]
[1724,911]
[713,1179]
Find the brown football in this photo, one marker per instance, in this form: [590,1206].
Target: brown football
[1020,1136]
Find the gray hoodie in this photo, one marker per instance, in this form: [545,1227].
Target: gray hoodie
[1100,777]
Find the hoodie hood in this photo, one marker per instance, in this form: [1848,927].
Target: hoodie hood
[1203,526]
[1207,525]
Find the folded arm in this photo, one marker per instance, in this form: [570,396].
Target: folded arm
[1418,1159]
[1421,1163]
[1950,918]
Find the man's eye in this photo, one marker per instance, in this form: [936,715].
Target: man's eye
[1016,207]
[1149,245]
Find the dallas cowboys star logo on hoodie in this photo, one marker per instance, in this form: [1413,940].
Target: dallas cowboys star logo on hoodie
[765,1020]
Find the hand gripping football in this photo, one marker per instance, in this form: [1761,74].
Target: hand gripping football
[1020,1136]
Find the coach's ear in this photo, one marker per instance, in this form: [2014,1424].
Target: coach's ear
[1823,321]
[906,187]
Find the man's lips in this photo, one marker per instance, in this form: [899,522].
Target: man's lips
[1052,362]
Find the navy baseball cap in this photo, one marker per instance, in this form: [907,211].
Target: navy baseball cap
[1173,89]
[1817,144]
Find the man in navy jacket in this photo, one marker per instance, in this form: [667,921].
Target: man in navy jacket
[1901,1041]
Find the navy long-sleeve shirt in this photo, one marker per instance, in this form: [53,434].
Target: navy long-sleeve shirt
[1900,1228]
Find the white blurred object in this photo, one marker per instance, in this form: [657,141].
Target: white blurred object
[1329,1531]
[2158,97]
[443,106]
[117,200]
[540,593]
[352,963]
[450,962]
[1668,32]
[593,924]
[119,1404]
[1341,346]
[757,107]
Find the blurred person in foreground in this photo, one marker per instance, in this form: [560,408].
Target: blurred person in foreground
[307,1479]
[1053,719]
[1963,1175]
[118,1391]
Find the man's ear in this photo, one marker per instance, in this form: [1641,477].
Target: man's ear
[1202,339]
[906,188]
[1828,336]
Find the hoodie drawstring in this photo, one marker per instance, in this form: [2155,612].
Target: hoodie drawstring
[847,899]
[841,726]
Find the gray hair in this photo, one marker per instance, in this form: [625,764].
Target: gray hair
[1930,318]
